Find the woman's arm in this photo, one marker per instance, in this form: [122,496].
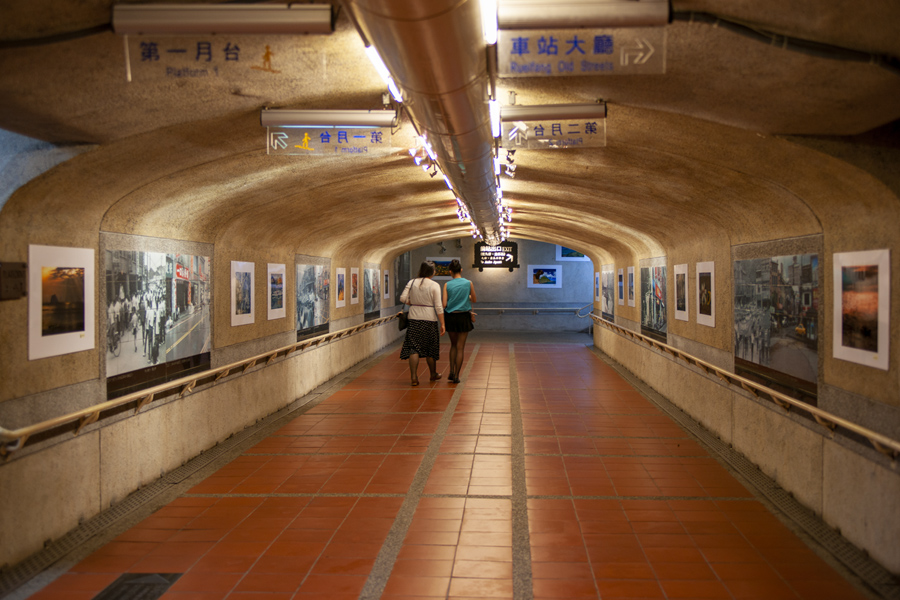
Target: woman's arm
[404,297]
[444,297]
[472,292]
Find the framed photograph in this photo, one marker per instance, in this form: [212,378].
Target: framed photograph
[682,306]
[706,293]
[631,299]
[862,297]
[563,253]
[608,292]
[387,284]
[442,267]
[654,316]
[544,276]
[313,288]
[61,309]
[596,287]
[621,287]
[354,285]
[340,298]
[275,291]
[242,281]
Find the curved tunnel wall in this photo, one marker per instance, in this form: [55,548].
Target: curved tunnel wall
[723,194]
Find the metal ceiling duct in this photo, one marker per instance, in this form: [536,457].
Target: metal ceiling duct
[567,14]
[435,52]
[222,18]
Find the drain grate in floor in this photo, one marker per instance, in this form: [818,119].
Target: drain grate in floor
[138,586]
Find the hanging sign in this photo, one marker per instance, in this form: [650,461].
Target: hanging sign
[503,256]
[571,52]
[305,141]
[553,134]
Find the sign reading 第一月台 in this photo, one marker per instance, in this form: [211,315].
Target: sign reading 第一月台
[328,140]
[503,256]
[571,52]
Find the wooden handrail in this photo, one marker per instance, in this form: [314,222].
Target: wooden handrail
[883,444]
[15,439]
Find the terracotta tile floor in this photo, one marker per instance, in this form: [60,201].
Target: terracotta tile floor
[554,480]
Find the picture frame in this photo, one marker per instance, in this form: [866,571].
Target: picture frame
[243,275]
[544,276]
[608,292]
[706,293]
[862,300]
[442,267]
[563,253]
[597,286]
[275,291]
[387,284]
[620,283]
[682,296]
[61,300]
[340,288]
[631,296]
[354,285]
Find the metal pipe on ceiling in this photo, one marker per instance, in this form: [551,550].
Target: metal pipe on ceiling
[222,18]
[275,117]
[435,52]
[570,14]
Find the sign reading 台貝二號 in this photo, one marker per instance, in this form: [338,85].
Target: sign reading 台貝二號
[570,52]
[328,141]
[589,133]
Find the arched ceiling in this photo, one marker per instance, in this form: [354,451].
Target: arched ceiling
[699,151]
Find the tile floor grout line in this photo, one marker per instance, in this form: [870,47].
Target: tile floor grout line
[390,548]
[521,538]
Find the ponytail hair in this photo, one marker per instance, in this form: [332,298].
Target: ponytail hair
[426,270]
[455,267]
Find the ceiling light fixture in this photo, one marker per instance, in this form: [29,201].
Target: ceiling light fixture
[494,108]
[553,112]
[222,18]
[382,69]
[328,118]
[489,25]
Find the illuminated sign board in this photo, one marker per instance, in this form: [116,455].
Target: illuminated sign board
[503,256]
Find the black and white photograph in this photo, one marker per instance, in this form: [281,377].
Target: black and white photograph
[312,300]
[60,300]
[776,314]
[157,316]
[654,320]
[372,293]
[608,292]
[631,294]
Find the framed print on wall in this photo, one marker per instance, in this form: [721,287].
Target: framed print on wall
[563,253]
[354,285]
[544,276]
[596,287]
[242,281]
[862,307]
[631,298]
[61,304]
[387,284]
[275,291]
[682,305]
[442,267]
[621,286]
[340,298]
[706,293]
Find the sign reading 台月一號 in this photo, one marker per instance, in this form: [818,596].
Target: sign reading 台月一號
[328,141]
[571,52]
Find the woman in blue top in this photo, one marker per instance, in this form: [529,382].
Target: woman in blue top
[458,297]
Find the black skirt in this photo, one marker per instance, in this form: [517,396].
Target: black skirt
[422,338]
[458,322]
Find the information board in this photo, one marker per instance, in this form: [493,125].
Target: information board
[328,141]
[503,256]
[553,134]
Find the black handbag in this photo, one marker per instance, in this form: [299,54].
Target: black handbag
[403,320]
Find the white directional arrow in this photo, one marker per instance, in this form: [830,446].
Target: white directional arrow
[641,52]
[279,139]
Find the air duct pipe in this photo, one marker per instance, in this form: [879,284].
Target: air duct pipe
[435,52]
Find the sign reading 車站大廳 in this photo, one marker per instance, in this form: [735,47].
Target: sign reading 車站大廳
[503,256]
[571,52]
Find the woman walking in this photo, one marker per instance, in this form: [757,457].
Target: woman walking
[426,322]
[457,299]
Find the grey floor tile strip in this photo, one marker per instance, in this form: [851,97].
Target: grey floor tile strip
[384,562]
[521,538]
[854,564]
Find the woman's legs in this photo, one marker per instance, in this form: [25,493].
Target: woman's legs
[457,357]
[454,338]
[414,368]
[432,366]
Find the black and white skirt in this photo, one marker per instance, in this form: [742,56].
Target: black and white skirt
[422,338]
